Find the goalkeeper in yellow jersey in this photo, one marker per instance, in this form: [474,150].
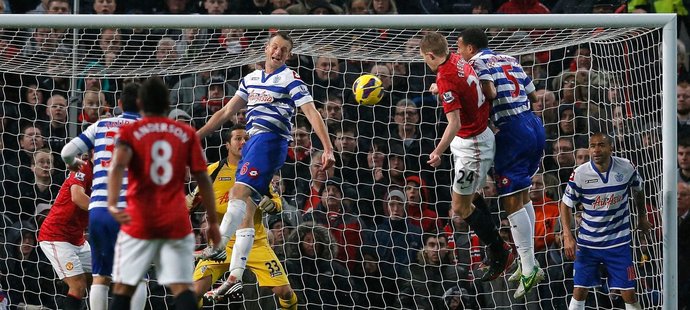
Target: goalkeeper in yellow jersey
[262,260]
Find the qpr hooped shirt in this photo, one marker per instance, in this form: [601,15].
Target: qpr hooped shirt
[459,88]
[161,150]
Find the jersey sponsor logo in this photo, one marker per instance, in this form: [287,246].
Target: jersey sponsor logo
[225,178]
[600,202]
[448,97]
[592,181]
[619,177]
[254,78]
[79,176]
[69,266]
[256,97]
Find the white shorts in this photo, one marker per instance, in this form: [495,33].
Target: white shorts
[473,157]
[173,258]
[68,260]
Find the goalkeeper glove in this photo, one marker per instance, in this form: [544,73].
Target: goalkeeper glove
[268,205]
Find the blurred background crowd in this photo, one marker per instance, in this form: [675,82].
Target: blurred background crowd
[375,231]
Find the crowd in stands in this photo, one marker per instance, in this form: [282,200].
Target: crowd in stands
[375,231]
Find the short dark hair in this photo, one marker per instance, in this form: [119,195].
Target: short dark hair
[285,36]
[475,37]
[129,97]
[154,96]
[602,134]
[486,4]
[227,134]
[302,121]
[435,43]
[684,141]
[346,126]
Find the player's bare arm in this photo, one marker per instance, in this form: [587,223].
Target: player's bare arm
[532,97]
[221,117]
[314,117]
[122,155]
[208,199]
[448,135]
[489,90]
[642,221]
[79,197]
[569,243]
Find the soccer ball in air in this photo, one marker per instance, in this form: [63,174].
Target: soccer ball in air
[368,89]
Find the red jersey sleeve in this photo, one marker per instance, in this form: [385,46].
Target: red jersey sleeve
[124,135]
[84,177]
[197,161]
[449,95]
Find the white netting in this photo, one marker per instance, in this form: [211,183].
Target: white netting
[616,88]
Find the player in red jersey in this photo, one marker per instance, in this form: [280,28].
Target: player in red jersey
[155,226]
[471,142]
[61,236]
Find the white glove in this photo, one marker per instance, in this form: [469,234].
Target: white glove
[267,205]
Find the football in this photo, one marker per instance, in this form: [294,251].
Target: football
[368,89]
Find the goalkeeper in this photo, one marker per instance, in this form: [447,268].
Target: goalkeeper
[262,260]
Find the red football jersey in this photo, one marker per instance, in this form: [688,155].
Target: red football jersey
[460,89]
[66,222]
[161,150]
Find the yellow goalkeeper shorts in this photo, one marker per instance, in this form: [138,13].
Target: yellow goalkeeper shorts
[262,261]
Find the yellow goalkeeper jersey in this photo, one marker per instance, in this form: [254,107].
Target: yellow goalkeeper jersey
[224,181]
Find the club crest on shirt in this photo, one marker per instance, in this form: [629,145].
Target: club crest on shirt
[448,97]
[276,79]
[69,266]
[619,177]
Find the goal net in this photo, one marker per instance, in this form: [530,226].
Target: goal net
[341,239]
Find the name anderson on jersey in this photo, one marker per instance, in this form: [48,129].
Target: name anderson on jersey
[161,127]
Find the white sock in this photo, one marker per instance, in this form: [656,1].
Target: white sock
[576,304]
[138,301]
[99,297]
[530,212]
[237,210]
[524,240]
[244,241]
[635,306]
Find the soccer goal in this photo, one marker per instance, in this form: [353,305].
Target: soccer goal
[611,73]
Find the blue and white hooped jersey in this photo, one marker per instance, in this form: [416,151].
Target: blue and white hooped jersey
[511,81]
[604,196]
[272,100]
[100,137]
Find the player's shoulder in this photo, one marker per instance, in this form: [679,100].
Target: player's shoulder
[212,167]
[623,163]
[582,171]
[287,76]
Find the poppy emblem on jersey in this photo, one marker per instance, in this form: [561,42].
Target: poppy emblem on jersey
[572,177]
[244,168]
[253,173]
[619,177]
[69,266]
[295,75]
[448,97]
[503,181]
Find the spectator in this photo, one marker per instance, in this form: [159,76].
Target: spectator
[319,281]
[374,289]
[523,7]
[432,275]
[192,90]
[333,212]
[326,75]
[56,129]
[215,7]
[562,160]
[321,7]
[546,106]
[332,110]
[94,106]
[174,7]
[347,156]
[211,103]
[104,6]
[372,178]
[31,103]
[683,245]
[17,162]
[41,8]
[482,6]
[581,156]
[464,243]
[233,40]
[683,95]
[357,7]
[405,130]
[396,166]
[308,193]
[383,7]
[40,191]
[546,214]
[281,4]
[418,205]
[684,160]
[280,228]
[534,70]
[28,277]
[166,56]
[396,238]
[683,69]
[258,7]
[302,7]
[570,124]
[376,119]
[59,7]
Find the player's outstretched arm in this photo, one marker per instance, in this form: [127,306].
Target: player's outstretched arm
[642,221]
[532,97]
[569,243]
[122,155]
[448,135]
[79,197]
[69,155]
[208,199]
[489,90]
[314,117]
[221,117]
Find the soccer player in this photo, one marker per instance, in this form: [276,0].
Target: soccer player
[603,187]
[61,236]
[262,259]
[100,138]
[471,142]
[155,225]
[271,96]
[520,143]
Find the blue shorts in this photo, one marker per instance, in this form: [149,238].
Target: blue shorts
[103,231]
[617,261]
[262,156]
[519,151]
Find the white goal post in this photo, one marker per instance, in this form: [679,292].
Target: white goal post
[665,22]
